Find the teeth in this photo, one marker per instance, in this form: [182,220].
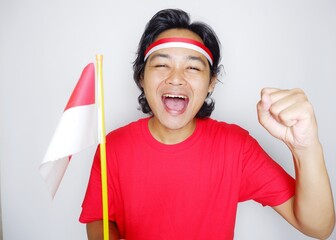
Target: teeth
[174,96]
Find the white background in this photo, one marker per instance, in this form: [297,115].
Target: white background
[44,45]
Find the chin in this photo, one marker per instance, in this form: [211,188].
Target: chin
[175,122]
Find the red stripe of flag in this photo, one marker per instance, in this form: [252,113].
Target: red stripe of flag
[84,92]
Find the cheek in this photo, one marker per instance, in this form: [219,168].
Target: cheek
[146,83]
[150,86]
[153,80]
[201,88]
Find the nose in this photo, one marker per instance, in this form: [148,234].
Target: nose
[176,78]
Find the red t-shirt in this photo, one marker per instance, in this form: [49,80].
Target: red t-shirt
[188,190]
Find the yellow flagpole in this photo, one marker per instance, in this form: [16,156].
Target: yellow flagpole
[99,66]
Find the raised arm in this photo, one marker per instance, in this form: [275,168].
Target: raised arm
[288,116]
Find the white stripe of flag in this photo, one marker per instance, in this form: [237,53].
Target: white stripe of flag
[76,130]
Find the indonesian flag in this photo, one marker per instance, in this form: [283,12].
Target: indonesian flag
[77,130]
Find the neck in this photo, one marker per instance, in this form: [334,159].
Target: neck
[170,136]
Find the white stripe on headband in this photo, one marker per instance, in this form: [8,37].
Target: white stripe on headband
[180,43]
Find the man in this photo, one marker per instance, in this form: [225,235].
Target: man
[180,174]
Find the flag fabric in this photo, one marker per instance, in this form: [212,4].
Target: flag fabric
[77,130]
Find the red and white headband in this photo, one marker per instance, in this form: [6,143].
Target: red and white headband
[181,43]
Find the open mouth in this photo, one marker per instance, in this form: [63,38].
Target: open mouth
[175,103]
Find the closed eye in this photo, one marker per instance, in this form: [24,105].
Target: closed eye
[160,65]
[194,68]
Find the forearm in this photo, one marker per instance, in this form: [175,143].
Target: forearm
[313,205]
[95,231]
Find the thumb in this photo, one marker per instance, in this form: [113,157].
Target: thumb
[263,108]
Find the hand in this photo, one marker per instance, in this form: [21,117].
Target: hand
[288,116]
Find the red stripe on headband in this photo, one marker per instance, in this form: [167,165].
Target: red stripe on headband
[177,39]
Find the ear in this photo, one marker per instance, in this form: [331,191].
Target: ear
[212,84]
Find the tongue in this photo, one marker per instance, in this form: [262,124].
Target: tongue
[175,104]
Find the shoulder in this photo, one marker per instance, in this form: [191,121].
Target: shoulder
[231,136]
[127,131]
[216,127]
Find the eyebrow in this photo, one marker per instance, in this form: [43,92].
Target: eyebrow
[158,55]
[194,58]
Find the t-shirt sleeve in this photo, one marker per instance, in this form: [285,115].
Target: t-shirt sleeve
[263,180]
[92,209]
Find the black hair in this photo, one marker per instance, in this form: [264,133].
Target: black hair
[176,19]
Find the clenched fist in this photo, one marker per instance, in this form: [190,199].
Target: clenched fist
[288,116]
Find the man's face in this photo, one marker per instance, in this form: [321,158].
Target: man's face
[176,82]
